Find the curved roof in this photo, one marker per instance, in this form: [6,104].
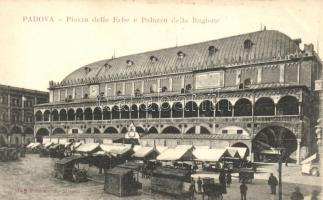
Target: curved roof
[264,45]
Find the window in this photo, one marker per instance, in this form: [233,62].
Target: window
[247,44]
[75,131]
[188,87]
[137,92]
[119,93]
[164,89]
[247,82]
[180,55]
[212,50]
[129,63]
[153,59]
[86,96]
[224,131]
[239,132]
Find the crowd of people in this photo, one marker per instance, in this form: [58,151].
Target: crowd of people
[225,179]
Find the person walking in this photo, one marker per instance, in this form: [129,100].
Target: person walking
[297,195]
[222,181]
[199,185]
[315,194]
[273,182]
[193,184]
[192,190]
[229,179]
[243,191]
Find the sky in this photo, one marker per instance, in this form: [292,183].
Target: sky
[42,41]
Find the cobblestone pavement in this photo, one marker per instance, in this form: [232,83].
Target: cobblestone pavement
[30,178]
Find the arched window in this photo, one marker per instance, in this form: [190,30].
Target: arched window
[191,109]
[288,105]
[79,114]
[206,109]
[142,111]
[165,110]
[88,114]
[247,44]
[171,130]
[46,115]
[39,116]
[97,114]
[134,111]
[55,116]
[153,111]
[71,115]
[115,112]
[243,107]
[125,112]
[264,107]
[62,115]
[223,108]
[177,110]
[106,113]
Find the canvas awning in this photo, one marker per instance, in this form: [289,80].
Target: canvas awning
[77,144]
[208,155]
[309,159]
[176,154]
[116,149]
[48,144]
[88,147]
[143,152]
[34,145]
[161,149]
[240,150]
[30,145]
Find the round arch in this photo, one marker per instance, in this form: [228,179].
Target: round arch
[97,113]
[71,115]
[111,130]
[125,111]
[79,114]
[115,112]
[243,107]
[153,130]
[191,109]
[3,129]
[177,110]
[165,110]
[58,131]
[46,115]
[142,111]
[40,134]
[153,110]
[62,115]
[140,130]
[274,137]
[29,130]
[223,108]
[96,130]
[106,113]
[288,105]
[16,129]
[171,130]
[124,130]
[88,115]
[55,115]
[264,106]
[38,116]
[134,111]
[206,109]
[243,145]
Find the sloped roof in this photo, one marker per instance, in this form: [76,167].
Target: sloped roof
[208,154]
[143,151]
[197,136]
[176,154]
[265,45]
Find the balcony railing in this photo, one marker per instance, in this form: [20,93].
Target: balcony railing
[247,119]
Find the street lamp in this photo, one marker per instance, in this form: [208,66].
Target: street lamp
[279,151]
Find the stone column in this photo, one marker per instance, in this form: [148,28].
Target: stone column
[298,151]
[170,84]
[198,129]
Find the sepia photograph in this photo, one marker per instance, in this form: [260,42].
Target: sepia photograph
[152,99]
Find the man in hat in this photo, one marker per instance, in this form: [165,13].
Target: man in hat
[273,182]
[297,195]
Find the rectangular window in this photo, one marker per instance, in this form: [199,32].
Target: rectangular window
[239,132]
[224,131]
[74,131]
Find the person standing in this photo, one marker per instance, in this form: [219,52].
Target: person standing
[243,191]
[297,195]
[273,182]
[193,184]
[222,181]
[315,194]
[199,185]
[229,179]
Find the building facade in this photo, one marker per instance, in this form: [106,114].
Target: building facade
[17,114]
[254,90]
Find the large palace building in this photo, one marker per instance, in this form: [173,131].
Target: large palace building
[255,90]
[17,114]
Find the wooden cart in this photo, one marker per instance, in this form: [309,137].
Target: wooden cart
[67,169]
[246,175]
[121,182]
[171,181]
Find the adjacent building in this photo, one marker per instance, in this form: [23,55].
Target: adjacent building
[254,90]
[17,114]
